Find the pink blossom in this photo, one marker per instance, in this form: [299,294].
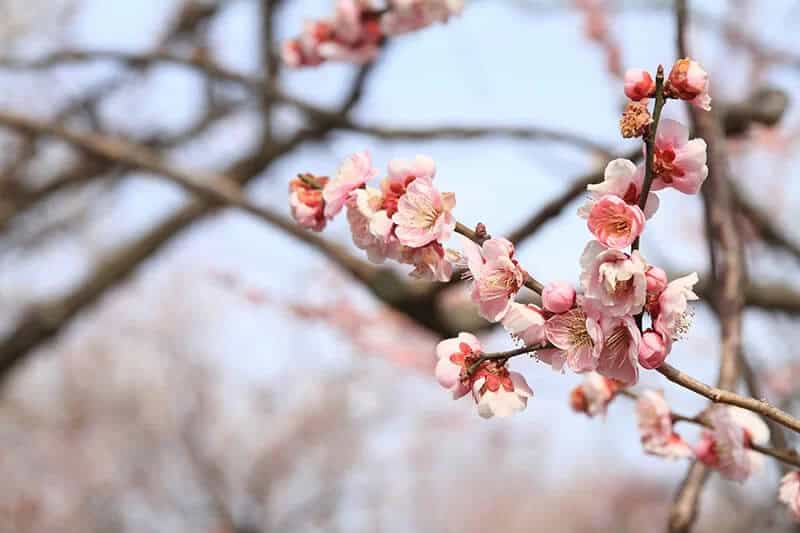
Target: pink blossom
[499,392]
[370,227]
[306,202]
[354,172]
[431,262]
[455,356]
[790,493]
[655,427]
[411,15]
[638,84]
[656,280]
[525,323]
[673,315]
[613,282]
[618,359]
[726,447]
[615,223]
[558,296]
[679,162]
[424,214]
[623,179]
[578,341]
[353,35]
[653,349]
[688,81]
[594,394]
[496,276]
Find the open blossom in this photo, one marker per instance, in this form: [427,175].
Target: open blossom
[726,447]
[525,323]
[613,281]
[673,314]
[402,172]
[623,179]
[655,427]
[558,296]
[454,359]
[653,349]
[688,81]
[614,222]
[678,162]
[638,84]
[306,202]
[424,214]
[354,172]
[353,34]
[499,391]
[496,276]
[790,493]
[594,394]
[620,353]
[578,341]
[410,15]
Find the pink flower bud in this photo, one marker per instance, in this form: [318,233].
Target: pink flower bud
[656,280]
[558,297]
[653,349]
[638,84]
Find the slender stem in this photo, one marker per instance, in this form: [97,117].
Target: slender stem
[502,356]
[650,144]
[530,282]
[718,395]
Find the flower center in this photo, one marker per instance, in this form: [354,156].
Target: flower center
[664,165]
[499,283]
[576,325]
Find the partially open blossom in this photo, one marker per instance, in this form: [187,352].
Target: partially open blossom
[618,358]
[653,349]
[623,179]
[454,359]
[496,276]
[431,262]
[306,202]
[370,227]
[639,84]
[525,323]
[558,296]
[354,172]
[424,214]
[499,392]
[655,427]
[613,282]
[594,394]
[578,341]
[656,280]
[678,162]
[790,493]
[614,222]
[410,15]
[726,447]
[688,81]
[673,315]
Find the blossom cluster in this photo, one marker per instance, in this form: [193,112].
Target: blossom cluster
[623,315]
[358,28]
[406,218]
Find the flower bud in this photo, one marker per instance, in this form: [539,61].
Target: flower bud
[656,280]
[638,84]
[653,349]
[558,297]
[689,81]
